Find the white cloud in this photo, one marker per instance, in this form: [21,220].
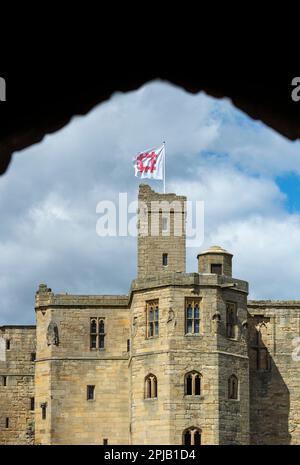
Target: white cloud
[49,195]
[266,254]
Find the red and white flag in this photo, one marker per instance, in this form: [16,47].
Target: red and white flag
[150,163]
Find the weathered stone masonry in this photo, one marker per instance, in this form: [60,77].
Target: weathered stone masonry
[121,369]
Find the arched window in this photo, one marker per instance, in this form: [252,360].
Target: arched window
[233,387]
[193,383]
[150,386]
[192,436]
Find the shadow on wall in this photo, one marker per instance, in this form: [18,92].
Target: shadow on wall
[269,395]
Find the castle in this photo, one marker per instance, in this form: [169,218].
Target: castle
[184,358]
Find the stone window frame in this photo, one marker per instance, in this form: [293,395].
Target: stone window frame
[44,406]
[90,393]
[233,391]
[99,335]
[194,374]
[7,344]
[152,325]
[233,325]
[32,404]
[165,258]
[3,380]
[150,387]
[193,301]
[192,430]
[259,347]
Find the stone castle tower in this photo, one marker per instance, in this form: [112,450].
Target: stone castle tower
[182,359]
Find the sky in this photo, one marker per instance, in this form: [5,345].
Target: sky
[246,174]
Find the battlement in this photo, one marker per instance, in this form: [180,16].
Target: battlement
[49,299]
[189,279]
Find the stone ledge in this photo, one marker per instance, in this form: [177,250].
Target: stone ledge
[273,303]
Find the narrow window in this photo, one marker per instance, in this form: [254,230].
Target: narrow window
[189,384]
[101,334]
[193,384]
[231,320]
[197,385]
[128,345]
[6,422]
[187,438]
[150,387]
[216,268]
[90,393]
[192,437]
[31,403]
[165,259]
[261,353]
[192,316]
[152,319]
[105,442]
[197,438]
[32,356]
[44,410]
[7,344]
[93,333]
[233,387]
[4,380]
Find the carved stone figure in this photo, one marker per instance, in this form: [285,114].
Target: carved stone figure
[216,320]
[171,320]
[52,334]
[134,326]
[171,315]
[245,331]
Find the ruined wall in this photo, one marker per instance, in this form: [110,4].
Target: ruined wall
[66,366]
[17,372]
[274,390]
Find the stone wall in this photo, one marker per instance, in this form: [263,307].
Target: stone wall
[174,353]
[66,365]
[274,392]
[17,372]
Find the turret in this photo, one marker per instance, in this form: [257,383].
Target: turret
[215,260]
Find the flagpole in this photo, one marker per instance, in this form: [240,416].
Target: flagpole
[164,168]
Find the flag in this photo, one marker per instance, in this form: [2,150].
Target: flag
[150,163]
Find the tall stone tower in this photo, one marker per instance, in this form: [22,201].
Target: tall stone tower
[161,238]
[188,360]
[228,317]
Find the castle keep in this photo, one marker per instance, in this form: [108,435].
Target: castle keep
[184,358]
